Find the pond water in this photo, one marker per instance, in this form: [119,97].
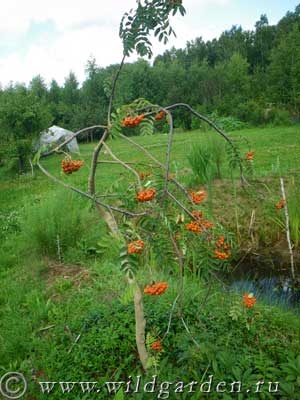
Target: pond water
[266,280]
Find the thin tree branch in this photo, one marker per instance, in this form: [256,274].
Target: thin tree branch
[123,164]
[180,205]
[89,196]
[127,162]
[91,180]
[170,317]
[287,228]
[189,332]
[112,95]
[170,141]
[162,166]
[181,268]
[210,123]
[214,126]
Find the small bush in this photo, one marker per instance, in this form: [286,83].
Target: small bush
[262,114]
[252,112]
[278,117]
[196,123]
[228,123]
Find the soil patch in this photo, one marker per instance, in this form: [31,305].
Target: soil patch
[74,273]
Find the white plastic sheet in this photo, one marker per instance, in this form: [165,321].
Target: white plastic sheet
[56,135]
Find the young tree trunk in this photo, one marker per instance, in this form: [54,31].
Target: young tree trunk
[140,324]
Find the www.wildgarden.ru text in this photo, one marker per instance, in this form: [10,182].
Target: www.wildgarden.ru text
[162,390]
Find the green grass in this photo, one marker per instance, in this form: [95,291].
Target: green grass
[46,302]
[276,152]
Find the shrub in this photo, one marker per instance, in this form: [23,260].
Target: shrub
[262,114]
[228,123]
[252,112]
[279,117]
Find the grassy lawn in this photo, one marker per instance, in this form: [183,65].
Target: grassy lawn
[276,153]
[66,313]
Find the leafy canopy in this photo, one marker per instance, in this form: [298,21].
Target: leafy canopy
[149,16]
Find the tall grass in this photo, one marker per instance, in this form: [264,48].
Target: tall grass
[294,211]
[200,160]
[206,160]
[57,223]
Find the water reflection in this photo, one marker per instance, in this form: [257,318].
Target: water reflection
[274,290]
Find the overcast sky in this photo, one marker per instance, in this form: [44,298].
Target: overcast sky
[52,37]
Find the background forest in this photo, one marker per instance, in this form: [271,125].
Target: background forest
[241,78]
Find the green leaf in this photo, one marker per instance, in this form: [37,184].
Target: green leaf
[157,31]
[182,10]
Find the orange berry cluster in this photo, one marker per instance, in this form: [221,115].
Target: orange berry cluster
[198,225]
[207,224]
[197,214]
[132,121]
[156,345]
[193,226]
[221,241]
[249,156]
[221,255]
[281,203]
[156,289]
[199,196]
[160,115]
[135,247]
[145,195]
[69,166]
[144,175]
[249,300]
[222,252]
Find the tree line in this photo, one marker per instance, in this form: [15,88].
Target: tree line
[252,76]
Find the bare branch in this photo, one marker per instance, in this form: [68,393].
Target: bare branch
[189,332]
[91,180]
[112,95]
[89,196]
[170,141]
[178,184]
[127,162]
[214,126]
[170,318]
[180,205]
[123,164]
[209,122]
[287,228]
[181,268]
